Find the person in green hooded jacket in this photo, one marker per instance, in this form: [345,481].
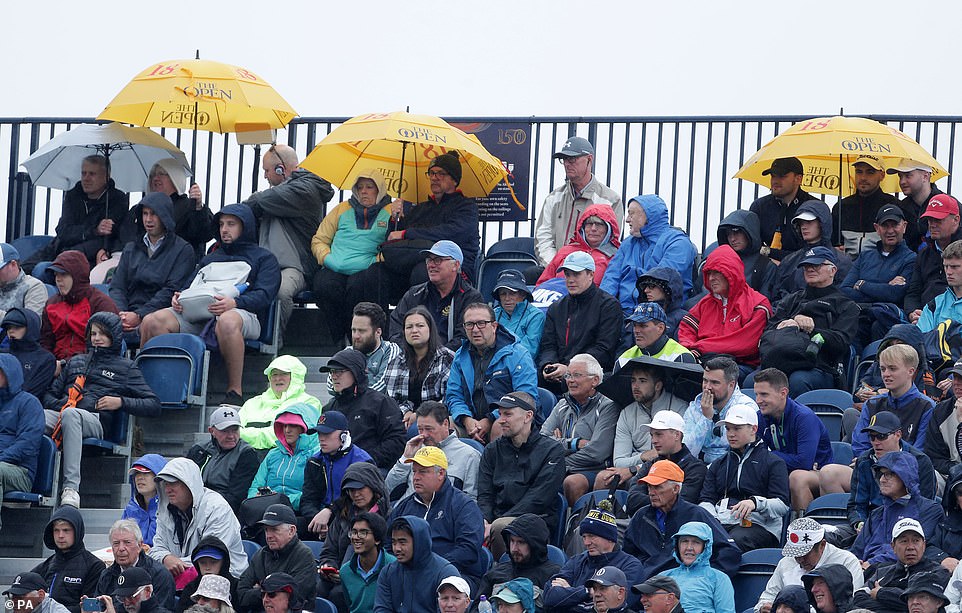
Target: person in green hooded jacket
[285,386]
[283,468]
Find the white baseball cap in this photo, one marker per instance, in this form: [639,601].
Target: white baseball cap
[907,525]
[457,583]
[740,416]
[666,420]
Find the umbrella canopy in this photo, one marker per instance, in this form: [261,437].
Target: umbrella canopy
[199,95]
[826,145]
[131,151]
[681,379]
[401,146]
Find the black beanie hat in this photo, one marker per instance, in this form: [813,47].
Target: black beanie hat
[449,163]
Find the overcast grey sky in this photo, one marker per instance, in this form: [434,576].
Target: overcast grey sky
[503,57]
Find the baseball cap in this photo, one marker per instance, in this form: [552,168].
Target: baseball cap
[208,552]
[8,253]
[14,318]
[870,160]
[783,166]
[805,216]
[225,416]
[429,456]
[457,583]
[907,525]
[648,311]
[741,416]
[513,280]
[803,534]
[278,514]
[130,581]
[819,255]
[956,368]
[608,575]
[24,583]
[138,468]
[329,421]
[505,595]
[213,586]
[445,249]
[887,212]
[578,261]
[575,147]
[941,206]
[512,400]
[907,165]
[663,470]
[883,422]
[658,583]
[353,484]
[666,420]
[278,582]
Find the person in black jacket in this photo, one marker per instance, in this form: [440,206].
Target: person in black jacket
[110,382]
[210,557]
[948,535]
[127,546]
[915,182]
[829,588]
[813,225]
[666,441]
[928,276]
[227,463]
[374,420]
[526,543]
[71,571]
[853,218]
[147,277]
[22,327]
[587,320]
[776,210]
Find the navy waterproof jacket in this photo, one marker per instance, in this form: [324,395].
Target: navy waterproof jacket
[453,218]
[21,419]
[409,587]
[876,270]
[39,365]
[804,443]
[578,569]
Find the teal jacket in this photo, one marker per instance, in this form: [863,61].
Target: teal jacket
[348,238]
[283,468]
[526,324]
[359,592]
[703,588]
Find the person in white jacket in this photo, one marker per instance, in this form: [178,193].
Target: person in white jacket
[806,549]
[198,512]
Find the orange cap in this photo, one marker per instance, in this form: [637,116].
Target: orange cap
[663,470]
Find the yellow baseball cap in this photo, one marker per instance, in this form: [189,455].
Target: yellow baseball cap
[429,456]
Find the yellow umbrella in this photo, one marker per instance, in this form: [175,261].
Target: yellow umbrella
[828,145]
[401,145]
[199,95]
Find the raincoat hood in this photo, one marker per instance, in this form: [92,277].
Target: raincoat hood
[794,597]
[911,335]
[75,263]
[524,590]
[178,176]
[111,323]
[152,461]
[421,532]
[354,361]
[287,363]
[702,532]
[670,281]
[161,204]
[839,581]
[248,235]
[656,214]
[903,464]
[212,542]
[747,222]
[72,516]
[13,371]
[307,415]
[187,472]
[369,475]
[374,174]
[534,531]
[726,261]
[612,240]
[824,216]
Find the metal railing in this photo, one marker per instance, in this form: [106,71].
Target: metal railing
[689,161]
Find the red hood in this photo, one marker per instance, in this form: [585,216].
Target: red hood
[724,260]
[75,263]
[607,214]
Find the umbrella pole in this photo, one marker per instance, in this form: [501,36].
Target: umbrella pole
[193,142]
[400,182]
[840,239]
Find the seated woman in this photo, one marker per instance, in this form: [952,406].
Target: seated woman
[283,468]
[703,588]
[664,286]
[515,310]
[90,389]
[285,386]
[598,235]
[345,244]
[420,372]
[142,506]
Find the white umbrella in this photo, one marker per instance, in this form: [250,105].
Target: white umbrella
[131,151]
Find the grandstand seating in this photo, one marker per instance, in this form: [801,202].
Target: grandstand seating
[829,509]
[175,366]
[269,341]
[28,245]
[517,253]
[753,574]
[829,405]
[44,490]
[322,605]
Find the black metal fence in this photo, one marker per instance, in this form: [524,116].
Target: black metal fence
[689,161]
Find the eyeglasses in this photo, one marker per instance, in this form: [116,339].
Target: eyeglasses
[480,325]
[576,375]
[359,533]
[435,260]
[569,160]
[879,437]
[659,594]
[595,223]
[436,174]
[334,372]
[886,475]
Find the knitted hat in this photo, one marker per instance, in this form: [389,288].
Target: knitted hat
[449,163]
[600,523]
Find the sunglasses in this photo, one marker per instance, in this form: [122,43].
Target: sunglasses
[875,436]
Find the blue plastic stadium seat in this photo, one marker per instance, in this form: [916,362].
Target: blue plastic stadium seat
[829,509]
[175,367]
[756,568]
[28,245]
[43,481]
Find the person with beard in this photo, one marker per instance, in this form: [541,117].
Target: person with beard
[22,328]
[776,210]
[526,543]
[854,214]
[367,327]
[915,181]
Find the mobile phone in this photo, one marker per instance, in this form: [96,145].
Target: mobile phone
[328,569]
[91,604]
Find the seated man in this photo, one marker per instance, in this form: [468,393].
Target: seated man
[134,589]
[731,317]
[659,594]
[633,443]
[142,506]
[72,570]
[22,328]
[284,553]
[368,325]
[374,419]
[445,295]
[649,326]
[608,589]
[489,364]
[794,433]
[747,489]
[854,213]
[237,319]
[820,311]
[648,536]
[90,218]
[285,385]
[719,394]
[28,592]
[667,430]
[652,243]
[776,210]
[885,583]
[805,549]
[898,477]
[187,512]
[457,527]
[152,267]
[947,305]
[279,594]
[407,585]
[566,591]
[915,181]
[434,429]
[520,472]
[359,574]
[454,595]
[21,429]
[829,589]
[941,442]
[914,410]
[587,320]
[741,230]
[584,422]
[17,288]
[227,463]
[127,546]
[526,543]
[928,276]
[813,223]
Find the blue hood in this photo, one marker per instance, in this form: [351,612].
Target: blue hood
[523,589]
[421,532]
[12,369]
[747,222]
[903,464]
[163,206]
[246,215]
[153,461]
[656,212]
[824,216]
[702,532]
